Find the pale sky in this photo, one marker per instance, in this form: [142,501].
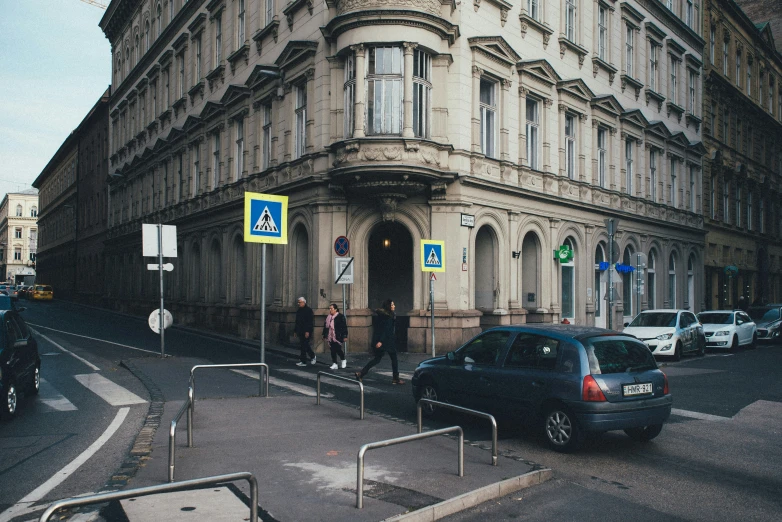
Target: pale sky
[55,63]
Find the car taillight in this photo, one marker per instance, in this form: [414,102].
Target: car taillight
[591,392]
[665,386]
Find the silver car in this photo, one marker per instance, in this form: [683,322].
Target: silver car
[668,333]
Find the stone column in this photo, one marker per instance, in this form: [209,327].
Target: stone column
[358,116]
[640,168]
[580,140]
[547,122]
[439,123]
[407,120]
[504,109]
[476,109]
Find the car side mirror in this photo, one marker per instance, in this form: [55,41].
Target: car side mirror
[627,324]
[450,356]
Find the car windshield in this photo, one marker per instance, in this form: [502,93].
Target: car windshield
[655,319]
[764,315]
[617,355]
[711,318]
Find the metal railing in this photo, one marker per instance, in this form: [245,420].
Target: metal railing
[263,384]
[468,411]
[161,488]
[356,381]
[188,405]
[401,440]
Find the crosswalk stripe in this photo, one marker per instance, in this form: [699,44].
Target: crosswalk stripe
[109,391]
[698,415]
[331,382]
[49,396]
[304,390]
[390,374]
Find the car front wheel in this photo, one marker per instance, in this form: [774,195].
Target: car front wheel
[561,430]
[35,384]
[10,400]
[429,391]
[735,344]
[677,352]
[754,342]
[644,434]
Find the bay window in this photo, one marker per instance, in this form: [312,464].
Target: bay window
[350,95]
[384,90]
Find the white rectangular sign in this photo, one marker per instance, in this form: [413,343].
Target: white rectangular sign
[149,240]
[343,270]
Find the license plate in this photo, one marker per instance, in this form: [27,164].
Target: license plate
[628,390]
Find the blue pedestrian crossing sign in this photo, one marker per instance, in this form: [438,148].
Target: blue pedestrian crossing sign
[265,218]
[432,256]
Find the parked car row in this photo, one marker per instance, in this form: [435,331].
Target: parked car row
[34,292]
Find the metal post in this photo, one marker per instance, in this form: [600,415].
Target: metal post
[431,304]
[160,270]
[344,313]
[638,283]
[263,317]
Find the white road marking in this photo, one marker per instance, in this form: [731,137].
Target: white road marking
[24,505]
[698,415]
[88,363]
[53,399]
[108,390]
[391,374]
[304,390]
[331,382]
[95,339]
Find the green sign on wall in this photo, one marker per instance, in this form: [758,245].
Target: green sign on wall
[564,254]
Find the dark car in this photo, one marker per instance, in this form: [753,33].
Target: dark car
[568,380]
[768,319]
[20,363]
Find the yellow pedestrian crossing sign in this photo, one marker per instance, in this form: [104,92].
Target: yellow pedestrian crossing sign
[265,218]
[432,255]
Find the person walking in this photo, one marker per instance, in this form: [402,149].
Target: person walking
[384,341]
[305,326]
[335,332]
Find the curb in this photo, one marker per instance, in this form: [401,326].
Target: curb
[473,498]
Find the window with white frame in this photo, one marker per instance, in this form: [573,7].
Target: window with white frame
[601,156]
[738,205]
[712,42]
[653,51]
[692,92]
[672,281]
[301,120]
[240,17]
[422,93]
[629,174]
[218,43]
[216,174]
[267,135]
[570,20]
[725,50]
[349,90]
[488,111]
[726,202]
[653,174]
[19,210]
[34,212]
[17,233]
[570,145]
[629,51]
[239,150]
[269,10]
[749,210]
[568,271]
[602,32]
[170,10]
[384,90]
[688,15]
[17,254]
[651,289]
[669,4]
[674,83]
[532,9]
[692,188]
[533,133]
[674,188]
[196,169]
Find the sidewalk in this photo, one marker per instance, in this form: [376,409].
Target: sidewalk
[303,455]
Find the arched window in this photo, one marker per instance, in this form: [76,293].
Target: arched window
[19,210]
[651,288]
[34,212]
[569,284]
[672,280]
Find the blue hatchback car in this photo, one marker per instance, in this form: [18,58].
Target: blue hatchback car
[568,380]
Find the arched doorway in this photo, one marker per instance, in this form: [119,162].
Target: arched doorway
[300,261]
[390,264]
[485,274]
[530,273]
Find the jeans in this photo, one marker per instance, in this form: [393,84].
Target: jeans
[378,356]
[305,349]
[336,350]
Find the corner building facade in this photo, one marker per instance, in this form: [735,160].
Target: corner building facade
[385,121]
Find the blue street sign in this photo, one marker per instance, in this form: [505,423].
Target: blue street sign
[432,256]
[342,246]
[265,218]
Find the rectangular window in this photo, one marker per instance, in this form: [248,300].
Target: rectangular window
[725,203]
[692,188]
[738,68]
[601,156]
[181,63]
[17,254]
[725,125]
[488,109]
[198,69]
[532,9]
[216,161]
[301,121]
[674,85]
[533,133]
[180,176]
[240,24]
[762,216]
[770,94]
[384,90]
[153,88]
[653,67]
[629,174]
[267,136]
[738,206]
[712,39]
[165,183]
[570,145]
[422,93]
[653,175]
[350,95]
[196,169]
[570,20]
[218,39]
[166,89]
[692,91]
[749,78]
[674,188]
[749,211]
[602,32]
[629,58]
[713,197]
[17,233]
[269,11]
[239,149]
[760,88]
[688,15]
[725,48]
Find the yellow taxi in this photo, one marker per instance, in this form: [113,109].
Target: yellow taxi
[42,293]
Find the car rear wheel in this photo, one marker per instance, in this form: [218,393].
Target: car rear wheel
[754,342]
[561,430]
[429,391]
[35,385]
[677,352]
[644,434]
[10,400]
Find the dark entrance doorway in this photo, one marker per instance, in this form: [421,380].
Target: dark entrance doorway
[390,254]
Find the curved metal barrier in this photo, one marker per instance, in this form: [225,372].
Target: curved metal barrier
[401,440]
[360,387]
[188,405]
[468,411]
[162,488]
[263,384]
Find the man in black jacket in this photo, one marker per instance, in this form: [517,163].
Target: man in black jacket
[305,325]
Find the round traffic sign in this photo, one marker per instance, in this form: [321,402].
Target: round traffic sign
[342,246]
[154,320]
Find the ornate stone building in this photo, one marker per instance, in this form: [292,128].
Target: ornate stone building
[743,169]
[386,121]
[18,236]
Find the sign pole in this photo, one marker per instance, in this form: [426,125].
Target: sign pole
[431,305]
[344,313]
[263,315]
[638,283]
[160,269]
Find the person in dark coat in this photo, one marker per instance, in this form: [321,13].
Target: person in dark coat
[305,326]
[335,332]
[384,341]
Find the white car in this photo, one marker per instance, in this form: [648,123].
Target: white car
[669,333]
[728,330]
